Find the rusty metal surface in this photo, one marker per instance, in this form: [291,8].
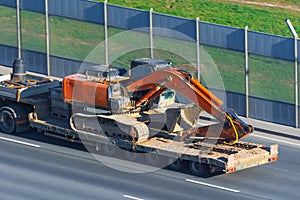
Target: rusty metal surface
[240,150]
[34,85]
[242,154]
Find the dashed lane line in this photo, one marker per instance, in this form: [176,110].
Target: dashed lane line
[132,197]
[20,142]
[213,186]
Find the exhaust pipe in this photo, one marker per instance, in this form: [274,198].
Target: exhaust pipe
[19,70]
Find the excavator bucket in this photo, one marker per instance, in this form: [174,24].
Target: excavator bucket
[173,118]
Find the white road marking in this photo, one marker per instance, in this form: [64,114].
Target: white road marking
[131,197]
[277,140]
[19,142]
[213,186]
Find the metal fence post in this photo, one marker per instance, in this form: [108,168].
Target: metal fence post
[246,71]
[47,38]
[105,32]
[151,33]
[293,31]
[198,48]
[19,29]
[296,84]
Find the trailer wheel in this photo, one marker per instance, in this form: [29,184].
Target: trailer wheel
[109,150]
[175,164]
[7,121]
[199,169]
[98,147]
[130,155]
[152,159]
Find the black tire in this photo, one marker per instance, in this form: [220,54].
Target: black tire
[109,150]
[7,122]
[130,155]
[152,159]
[199,169]
[175,164]
[98,147]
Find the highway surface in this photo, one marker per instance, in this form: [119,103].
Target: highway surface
[33,166]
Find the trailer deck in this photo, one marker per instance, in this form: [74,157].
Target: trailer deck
[228,158]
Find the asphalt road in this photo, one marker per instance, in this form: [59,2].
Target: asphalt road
[33,166]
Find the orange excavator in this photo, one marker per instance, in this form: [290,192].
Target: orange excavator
[143,100]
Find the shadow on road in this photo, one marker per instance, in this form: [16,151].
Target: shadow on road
[140,160]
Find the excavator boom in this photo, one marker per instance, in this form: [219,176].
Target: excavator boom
[233,127]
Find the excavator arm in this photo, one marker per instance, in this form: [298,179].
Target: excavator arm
[232,127]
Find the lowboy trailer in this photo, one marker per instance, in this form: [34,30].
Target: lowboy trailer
[141,116]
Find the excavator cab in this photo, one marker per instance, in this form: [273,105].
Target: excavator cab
[155,63]
[139,68]
[157,102]
[142,67]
